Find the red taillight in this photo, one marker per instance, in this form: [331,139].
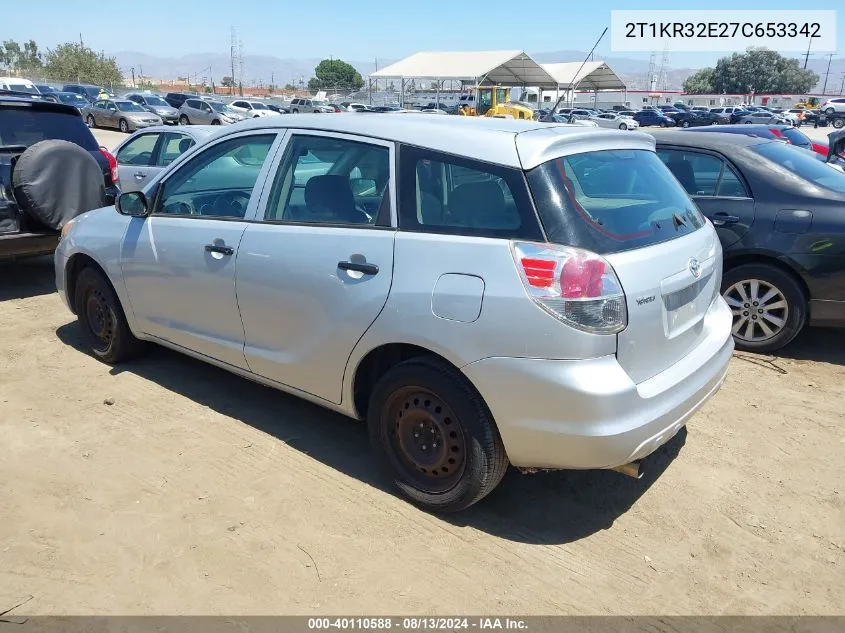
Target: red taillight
[573,285]
[824,150]
[112,164]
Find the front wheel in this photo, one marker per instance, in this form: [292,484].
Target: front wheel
[829,111]
[768,304]
[622,126]
[685,124]
[101,318]
[183,120]
[90,121]
[215,122]
[124,126]
[839,123]
[435,436]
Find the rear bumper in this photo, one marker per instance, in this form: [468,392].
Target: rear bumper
[583,414]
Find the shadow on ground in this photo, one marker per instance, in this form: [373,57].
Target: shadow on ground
[30,277]
[550,508]
[825,345]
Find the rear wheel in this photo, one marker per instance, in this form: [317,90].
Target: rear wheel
[294,111]
[839,123]
[124,126]
[90,121]
[183,120]
[768,305]
[435,436]
[685,124]
[663,124]
[102,319]
[829,111]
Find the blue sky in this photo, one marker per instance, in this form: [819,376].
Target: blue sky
[356,31]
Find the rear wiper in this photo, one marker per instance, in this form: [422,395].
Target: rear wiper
[13,148]
[678,221]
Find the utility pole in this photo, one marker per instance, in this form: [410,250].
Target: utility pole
[807,54]
[133,76]
[842,85]
[81,43]
[827,74]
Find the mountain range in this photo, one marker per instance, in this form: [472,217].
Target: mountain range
[266,69]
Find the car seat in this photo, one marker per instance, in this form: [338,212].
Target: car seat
[330,197]
[682,170]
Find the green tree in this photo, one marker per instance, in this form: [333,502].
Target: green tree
[757,70]
[29,60]
[335,73]
[73,61]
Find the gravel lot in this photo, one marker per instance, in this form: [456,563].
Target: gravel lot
[196,492]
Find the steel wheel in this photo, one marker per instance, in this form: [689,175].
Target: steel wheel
[100,318]
[760,310]
[428,444]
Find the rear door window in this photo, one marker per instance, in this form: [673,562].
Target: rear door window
[612,200]
[442,193]
[703,174]
[138,151]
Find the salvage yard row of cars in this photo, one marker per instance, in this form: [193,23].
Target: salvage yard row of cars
[480,291]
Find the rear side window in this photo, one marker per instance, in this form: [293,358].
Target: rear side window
[703,174]
[27,126]
[796,138]
[442,193]
[611,201]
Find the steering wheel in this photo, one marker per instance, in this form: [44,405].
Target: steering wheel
[230,204]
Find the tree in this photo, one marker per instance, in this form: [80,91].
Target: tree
[73,61]
[757,70]
[335,73]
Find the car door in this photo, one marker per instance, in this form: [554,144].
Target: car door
[135,161]
[110,115]
[717,188]
[179,262]
[314,271]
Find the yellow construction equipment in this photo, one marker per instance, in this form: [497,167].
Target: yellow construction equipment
[494,101]
[808,103]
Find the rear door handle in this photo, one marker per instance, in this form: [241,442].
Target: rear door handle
[367,269]
[219,248]
[721,219]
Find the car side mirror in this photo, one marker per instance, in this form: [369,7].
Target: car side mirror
[133,204]
[837,146]
[363,186]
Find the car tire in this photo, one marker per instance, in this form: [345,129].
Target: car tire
[839,123]
[90,121]
[294,111]
[124,126]
[183,120]
[685,124]
[622,126]
[663,124]
[748,122]
[792,316]
[102,319]
[431,393]
[830,111]
[215,122]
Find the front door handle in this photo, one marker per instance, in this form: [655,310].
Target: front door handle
[361,267]
[721,219]
[140,175]
[220,248]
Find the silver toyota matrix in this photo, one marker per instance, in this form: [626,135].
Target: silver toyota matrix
[483,292]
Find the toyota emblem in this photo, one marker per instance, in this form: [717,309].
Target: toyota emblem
[695,267]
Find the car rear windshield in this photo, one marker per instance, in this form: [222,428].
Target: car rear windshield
[804,165]
[611,201]
[24,88]
[27,126]
[156,101]
[796,138]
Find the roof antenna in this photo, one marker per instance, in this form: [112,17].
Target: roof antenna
[549,118]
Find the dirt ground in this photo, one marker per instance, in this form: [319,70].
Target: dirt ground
[197,492]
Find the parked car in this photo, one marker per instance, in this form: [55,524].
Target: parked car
[785,133]
[762,116]
[51,169]
[621,333]
[208,112]
[125,115]
[146,152]
[309,106]
[277,107]
[649,117]
[832,106]
[157,105]
[176,99]
[88,91]
[69,98]
[16,84]
[694,119]
[779,214]
[252,109]
[45,88]
[570,119]
[615,121]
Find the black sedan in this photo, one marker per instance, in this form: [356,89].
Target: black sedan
[648,117]
[780,215]
[698,118]
[784,133]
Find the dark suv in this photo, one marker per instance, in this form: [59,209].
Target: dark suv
[176,99]
[88,91]
[41,184]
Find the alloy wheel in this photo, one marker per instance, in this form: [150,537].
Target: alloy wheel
[760,310]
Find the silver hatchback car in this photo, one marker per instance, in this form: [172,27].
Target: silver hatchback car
[482,292]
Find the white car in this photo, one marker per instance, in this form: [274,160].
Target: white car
[832,106]
[615,121]
[252,108]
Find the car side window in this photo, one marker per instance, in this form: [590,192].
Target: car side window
[442,193]
[173,146]
[327,180]
[703,174]
[138,151]
[217,182]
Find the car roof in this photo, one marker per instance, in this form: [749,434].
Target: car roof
[717,141]
[744,127]
[39,104]
[512,142]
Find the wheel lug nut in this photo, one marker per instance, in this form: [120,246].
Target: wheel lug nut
[424,447]
[416,434]
[745,313]
[760,311]
[746,305]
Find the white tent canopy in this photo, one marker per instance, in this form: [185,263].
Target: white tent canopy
[592,76]
[506,68]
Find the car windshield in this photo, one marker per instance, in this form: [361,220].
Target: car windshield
[612,200]
[804,165]
[27,126]
[24,88]
[129,106]
[156,101]
[72,98]
[258,106]
[219,106]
